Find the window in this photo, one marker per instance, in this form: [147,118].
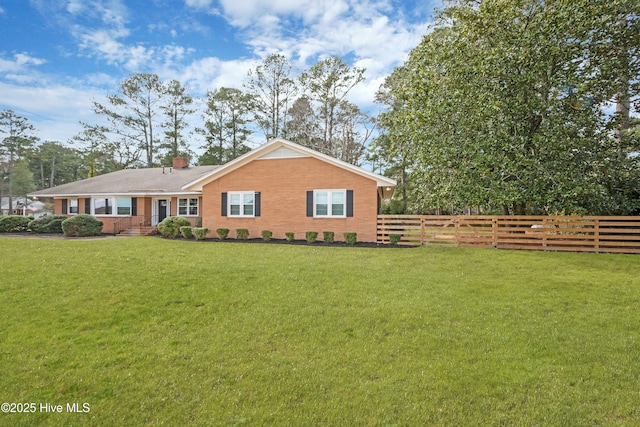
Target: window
[73,206]
[124,205]
[188,207]
[329,203]
[102,206]
[242,204]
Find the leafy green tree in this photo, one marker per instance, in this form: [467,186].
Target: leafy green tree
[23,179]
[18,140]
[504,104]
[391,150]
[226,122]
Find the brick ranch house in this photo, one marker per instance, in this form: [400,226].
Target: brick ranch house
[280,186]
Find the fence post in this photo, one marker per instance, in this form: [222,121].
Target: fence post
[494,232]
[422,227]
[596,234]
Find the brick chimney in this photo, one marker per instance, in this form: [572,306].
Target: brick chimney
[180,162]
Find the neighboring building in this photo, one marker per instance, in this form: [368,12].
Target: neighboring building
[280,186]
[23,206]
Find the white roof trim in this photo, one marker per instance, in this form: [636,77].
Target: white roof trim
[291,150]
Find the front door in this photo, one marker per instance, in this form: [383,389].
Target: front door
[162,209]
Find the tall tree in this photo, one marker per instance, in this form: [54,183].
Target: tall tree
[132,113]
[505,105]
[273,88]
[390,148]
[302,126]
[327,84]
[176,109]
[225,125]
[15,145]
[102,155]
[54,164]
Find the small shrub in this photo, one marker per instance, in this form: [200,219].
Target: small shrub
[170,226]
[328,236]
[14,224]
[186,231]
[311,236]
[290,236]
[222,233]
[82,225]
[242,233]
[47,224]
[351,238]
[394,238]
[200,233]
[266,235]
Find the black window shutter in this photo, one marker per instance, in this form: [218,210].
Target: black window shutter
[256,200]
[64,206]
[223,211]
[134,206]
[87,205]
[349,202]
[309,203]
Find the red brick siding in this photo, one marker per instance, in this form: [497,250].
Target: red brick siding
[283,184]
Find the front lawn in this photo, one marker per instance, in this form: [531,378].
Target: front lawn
[149,331]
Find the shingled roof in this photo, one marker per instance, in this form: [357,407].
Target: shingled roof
[142,182]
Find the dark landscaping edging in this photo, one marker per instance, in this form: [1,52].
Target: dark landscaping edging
[53,236]
[318,243]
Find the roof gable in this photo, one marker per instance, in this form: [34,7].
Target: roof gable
[277,149]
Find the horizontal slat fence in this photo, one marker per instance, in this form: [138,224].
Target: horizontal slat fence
[619,234]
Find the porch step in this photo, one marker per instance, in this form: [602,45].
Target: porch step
[139,231]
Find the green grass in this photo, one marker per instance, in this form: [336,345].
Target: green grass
[157,332]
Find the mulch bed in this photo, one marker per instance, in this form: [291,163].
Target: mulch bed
[298,243]
[53,236]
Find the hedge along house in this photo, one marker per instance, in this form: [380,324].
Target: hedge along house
[280,186]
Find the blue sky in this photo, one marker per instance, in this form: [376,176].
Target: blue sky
[56,56]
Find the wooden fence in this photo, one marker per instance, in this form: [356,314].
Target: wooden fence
[620,234]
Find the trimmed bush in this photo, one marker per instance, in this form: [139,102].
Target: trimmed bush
[186,231]
[170,226]
[242,233]
[394,238]
[290,236]
[47,224]
[351,238]
[14,224]
[266,235]
[82,225]
[222,233]
[311,236]
[200,233]
[328,236]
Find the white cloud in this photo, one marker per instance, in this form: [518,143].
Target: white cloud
[21,68]
[54,110]
[211,73]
